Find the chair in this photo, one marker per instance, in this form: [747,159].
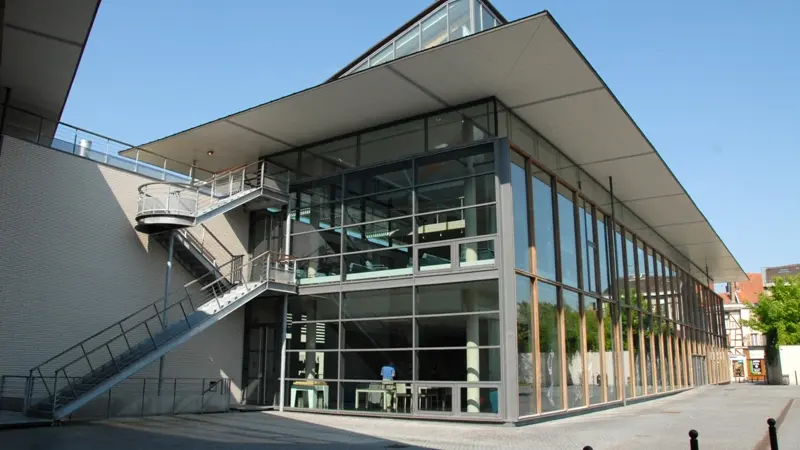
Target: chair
[402,392]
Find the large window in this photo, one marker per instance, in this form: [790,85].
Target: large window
[573,344]
[525,343]
[430,335]
[544,225]
[549,348]
[521,227]
[566,225]
[362,224]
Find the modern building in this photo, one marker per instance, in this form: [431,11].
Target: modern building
[463,223]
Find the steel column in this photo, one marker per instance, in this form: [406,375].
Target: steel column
[166,299]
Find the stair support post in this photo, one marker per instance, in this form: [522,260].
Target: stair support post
[167,282]
[124,335]
[151,335]
[197,202]
[69,383]
[55,393]
[112,358]
[189,297]
[202,396]
[144,389]
[26,401]
[188,325]
[87,358]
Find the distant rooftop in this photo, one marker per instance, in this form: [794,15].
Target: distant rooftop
[770,273]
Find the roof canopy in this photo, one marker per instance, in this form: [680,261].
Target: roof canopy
[532,67]
[42,44]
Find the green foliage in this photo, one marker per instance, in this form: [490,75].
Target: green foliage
[778,315]
[548,329]
[524,327]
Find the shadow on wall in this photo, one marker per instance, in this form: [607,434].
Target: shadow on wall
[212,431]
[72,263]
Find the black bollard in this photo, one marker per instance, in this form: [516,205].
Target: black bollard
[693,444]
[773,434]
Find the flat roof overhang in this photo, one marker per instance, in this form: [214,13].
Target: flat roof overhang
[531,66]
[42,45]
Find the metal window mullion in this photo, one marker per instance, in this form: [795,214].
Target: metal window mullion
[601,307]
[624,244]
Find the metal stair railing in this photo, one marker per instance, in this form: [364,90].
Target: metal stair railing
[151,327]
[193,199]
[207,244]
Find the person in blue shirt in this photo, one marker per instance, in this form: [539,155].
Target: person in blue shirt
[387,372]
[387,376]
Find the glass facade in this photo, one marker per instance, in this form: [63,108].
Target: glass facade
[371,223]
[440,345]
[608,303]
[453,20]
[414,242]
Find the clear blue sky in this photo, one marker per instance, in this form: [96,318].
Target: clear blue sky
[713,84]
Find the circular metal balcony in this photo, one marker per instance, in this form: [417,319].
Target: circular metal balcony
[166,206]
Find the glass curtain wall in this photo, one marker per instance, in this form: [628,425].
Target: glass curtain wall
[426,350]
[604,307]
[371,223]
[595,314]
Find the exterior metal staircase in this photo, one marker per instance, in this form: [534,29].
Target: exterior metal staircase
[91,367]
[198,250]
[168,206]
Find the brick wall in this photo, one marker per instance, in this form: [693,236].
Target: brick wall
[71,263]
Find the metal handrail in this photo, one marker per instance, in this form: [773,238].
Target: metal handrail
[207,296]
[155,305]
[45,133]
[160,197]
[200,243]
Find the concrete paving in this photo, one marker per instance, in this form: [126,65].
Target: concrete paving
[727,417]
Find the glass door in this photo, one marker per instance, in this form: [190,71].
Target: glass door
[263,366]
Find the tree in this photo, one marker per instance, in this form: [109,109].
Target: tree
[777,314]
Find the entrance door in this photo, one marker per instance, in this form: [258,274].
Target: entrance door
[263,366]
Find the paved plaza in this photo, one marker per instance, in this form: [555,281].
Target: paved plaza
[727,417]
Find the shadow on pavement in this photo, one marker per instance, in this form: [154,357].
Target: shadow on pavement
[211,431]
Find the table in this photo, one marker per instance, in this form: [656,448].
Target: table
[312,394]
[373,391]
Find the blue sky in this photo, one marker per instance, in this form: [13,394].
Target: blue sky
[712,83]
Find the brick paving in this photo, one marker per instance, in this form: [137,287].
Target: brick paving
[727,417]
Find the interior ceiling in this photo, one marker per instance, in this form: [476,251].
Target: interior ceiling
[43,41]
[533,68]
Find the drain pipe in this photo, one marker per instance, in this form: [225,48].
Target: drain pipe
[166,298]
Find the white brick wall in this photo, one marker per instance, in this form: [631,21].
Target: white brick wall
[71,263]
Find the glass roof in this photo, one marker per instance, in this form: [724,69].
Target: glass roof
[450,21]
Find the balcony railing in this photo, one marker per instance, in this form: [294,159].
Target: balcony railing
[86,144]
